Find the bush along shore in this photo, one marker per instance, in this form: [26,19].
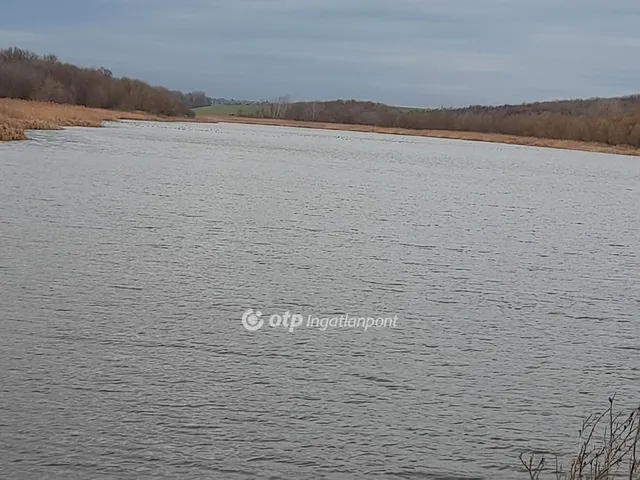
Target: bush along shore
[448,134]
[608,448]
[58,90]
[27,76]
[43,93]
[609,121]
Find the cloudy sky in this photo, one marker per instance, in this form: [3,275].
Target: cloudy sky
[406,52]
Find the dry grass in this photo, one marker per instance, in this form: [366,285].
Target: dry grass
[16,116]
[10,132]
[609,448]
[454,135]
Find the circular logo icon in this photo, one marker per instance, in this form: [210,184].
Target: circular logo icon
[252,321]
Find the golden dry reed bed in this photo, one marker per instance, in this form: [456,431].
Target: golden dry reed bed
[16,116]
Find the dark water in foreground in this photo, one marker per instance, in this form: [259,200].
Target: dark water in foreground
[129,254]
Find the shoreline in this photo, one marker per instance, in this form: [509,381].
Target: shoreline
[17,116]
[575,145]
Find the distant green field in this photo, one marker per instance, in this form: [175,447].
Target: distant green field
[225,110]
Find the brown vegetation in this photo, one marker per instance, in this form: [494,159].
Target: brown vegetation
[454,135]
[27,76]
[614,121]
[16,116]
[609,448]
[602,125]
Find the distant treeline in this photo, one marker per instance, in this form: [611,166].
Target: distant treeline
[193,99]
[233,101]
[614,121]
[28,76]
[200,99]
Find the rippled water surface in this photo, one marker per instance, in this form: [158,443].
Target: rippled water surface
[129,254]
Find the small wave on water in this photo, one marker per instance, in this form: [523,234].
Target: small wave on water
[130,253]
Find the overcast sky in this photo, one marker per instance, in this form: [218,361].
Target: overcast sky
[406,52]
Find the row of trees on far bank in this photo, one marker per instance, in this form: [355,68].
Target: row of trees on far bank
[193,99]
[28,76]
[614,121]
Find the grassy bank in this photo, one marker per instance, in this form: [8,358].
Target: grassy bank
[17,116]
[610,121]
[450,134]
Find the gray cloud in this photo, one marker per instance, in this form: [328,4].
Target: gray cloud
[410,52]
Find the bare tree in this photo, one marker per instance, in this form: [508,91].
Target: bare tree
[613,121]
[278,107]
[25,75]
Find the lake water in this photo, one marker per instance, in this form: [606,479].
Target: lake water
[129,254]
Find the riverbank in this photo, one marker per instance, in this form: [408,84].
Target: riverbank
[449,134]
[17,116]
